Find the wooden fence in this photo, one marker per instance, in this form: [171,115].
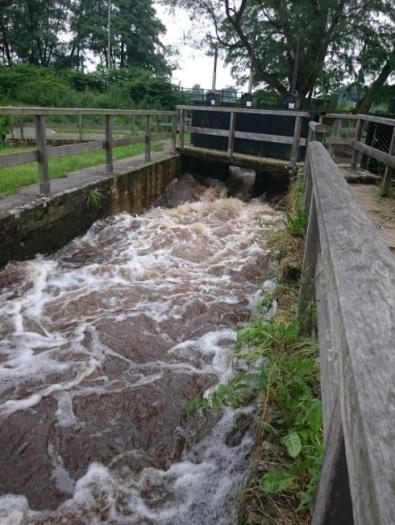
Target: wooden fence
[354,138]
[43,153]
[351,273]
[231,133]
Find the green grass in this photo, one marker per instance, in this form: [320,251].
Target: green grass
[16,177]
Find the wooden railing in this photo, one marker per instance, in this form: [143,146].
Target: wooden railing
[43,152]
[232,133]
[355,139]
[351,273]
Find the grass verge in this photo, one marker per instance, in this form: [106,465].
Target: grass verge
[16,177]
[281,370]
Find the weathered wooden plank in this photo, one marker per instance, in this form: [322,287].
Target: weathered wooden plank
[381,156]
[306,294]
[362,271]
[276,112]
[74,149]
[377,119]
[333,501]
[108,145]
[42,155]
[14,159]
[182,127]
[338,141]
[210,131]
[247,135]
[389,172]
[358,135]
[296,141]
[173,133]
[80,111]
[343,116]
[231,138]
[147,152]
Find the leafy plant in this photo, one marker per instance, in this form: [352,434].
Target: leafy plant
[94,198]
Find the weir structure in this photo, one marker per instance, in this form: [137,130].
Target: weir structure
[348,274]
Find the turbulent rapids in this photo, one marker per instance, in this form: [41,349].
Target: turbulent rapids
[101,346]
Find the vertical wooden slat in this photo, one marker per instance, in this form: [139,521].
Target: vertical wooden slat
[389,172]
[80,127]
[358,135]
[182,128]
[335,132]
[173,133]
[42,155]
[147,138]
[306,294]
[231,137]
[296,139]
[109,145]
[333,504]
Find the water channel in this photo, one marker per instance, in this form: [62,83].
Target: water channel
[102,344]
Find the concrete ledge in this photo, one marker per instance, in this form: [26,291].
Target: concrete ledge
[31,225]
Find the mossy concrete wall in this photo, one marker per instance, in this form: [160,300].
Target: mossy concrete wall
[48,223]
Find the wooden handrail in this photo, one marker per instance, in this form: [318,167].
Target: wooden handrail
[354,274]
[43,152]
[274,112]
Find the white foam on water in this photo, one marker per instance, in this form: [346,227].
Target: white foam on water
[181,279]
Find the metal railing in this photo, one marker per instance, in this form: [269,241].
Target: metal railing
[43,152]
[351,273]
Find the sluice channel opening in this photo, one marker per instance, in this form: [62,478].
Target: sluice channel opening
[105,344]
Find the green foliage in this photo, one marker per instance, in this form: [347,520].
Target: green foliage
[128,88]
[296,225]
[277,481]
[94,198]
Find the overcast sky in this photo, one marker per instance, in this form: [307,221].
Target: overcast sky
[194,66]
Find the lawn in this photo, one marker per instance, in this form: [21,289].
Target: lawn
[16,177]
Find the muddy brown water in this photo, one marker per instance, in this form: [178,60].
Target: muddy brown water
[101,346]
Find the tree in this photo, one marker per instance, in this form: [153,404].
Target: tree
[135,33]
[30,31]
[313,41]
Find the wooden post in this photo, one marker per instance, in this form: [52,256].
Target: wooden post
[296,140]
[333,504]
[42,155]
[306,294]
[389,172]
[80,127]
[182,127]
[109,145]
[231,137]
[336,126]
[174,133]
[147,138]
[358,135]
[22,131]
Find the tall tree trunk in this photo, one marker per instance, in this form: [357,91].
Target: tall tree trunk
[364,104]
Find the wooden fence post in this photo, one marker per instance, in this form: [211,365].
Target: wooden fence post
[182,128]
[42,155]
[109,145]
[336,126]
[147,154]
[231,137]
[389,172]
[80,127]
[358,135]
[174,133]
[306,294]
[296,140]
[333,505]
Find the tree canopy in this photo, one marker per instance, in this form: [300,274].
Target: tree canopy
[67,33]
[318,42]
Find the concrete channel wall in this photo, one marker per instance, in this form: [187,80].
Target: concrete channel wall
[47,223]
